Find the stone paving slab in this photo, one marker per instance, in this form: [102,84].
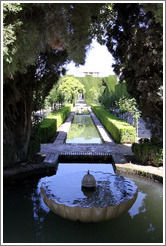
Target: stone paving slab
[125,149]
[84,149]
[58,148]
[51,158]
[93,148]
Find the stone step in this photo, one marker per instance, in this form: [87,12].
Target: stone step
[51,158]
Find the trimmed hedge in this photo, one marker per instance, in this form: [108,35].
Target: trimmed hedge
[148,153]
[121,131]
[89,82]
[50,124]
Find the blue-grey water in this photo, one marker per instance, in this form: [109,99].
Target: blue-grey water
[65,187]
[26,219]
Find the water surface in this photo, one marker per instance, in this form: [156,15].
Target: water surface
[83,131]
[28,220]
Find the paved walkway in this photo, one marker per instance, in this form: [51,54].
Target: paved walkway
[109,147]
[109,152]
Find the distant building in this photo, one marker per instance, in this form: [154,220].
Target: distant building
[94,74]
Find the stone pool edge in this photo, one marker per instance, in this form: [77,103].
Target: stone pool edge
[48,167]
[31,170]
[149,172]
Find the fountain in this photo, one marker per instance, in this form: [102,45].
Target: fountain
[88,197]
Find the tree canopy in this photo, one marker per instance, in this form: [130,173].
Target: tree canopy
[135,39]
[39,38]
[30,27]
[70,87]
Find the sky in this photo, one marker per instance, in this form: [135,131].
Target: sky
[99,59]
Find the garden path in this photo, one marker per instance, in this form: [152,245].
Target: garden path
[109,147]
[108,151]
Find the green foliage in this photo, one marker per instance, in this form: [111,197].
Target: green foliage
[129,106]
[39,38]
[49,67]
[107,100]
[9,31]
[47,129]
[104,90]
[34,143]
[55,96]
[148,152]
[70,87]
[94,95]
[90,82]
[121,90]
[51,123]
[30,27]
[111,82]
[121,131]
[113,92]
[60,115]
[135,39]
[156,8]
[102,21]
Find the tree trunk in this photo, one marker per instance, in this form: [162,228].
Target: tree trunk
[18,97]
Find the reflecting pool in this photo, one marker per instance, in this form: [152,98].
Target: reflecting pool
[28,220]
[83,131]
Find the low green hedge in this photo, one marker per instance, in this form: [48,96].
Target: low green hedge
[121,131]
[50,124]
[148,153]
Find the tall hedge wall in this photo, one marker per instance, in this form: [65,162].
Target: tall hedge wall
[111,83]
[121,131]
[50,124]
[89,81]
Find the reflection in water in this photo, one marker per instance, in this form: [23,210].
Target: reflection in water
[138,207]
[28,220]
[83,130]
[111,189]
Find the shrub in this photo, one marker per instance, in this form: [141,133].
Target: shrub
[50,124]
[121,131]
[34,143]
[148,152]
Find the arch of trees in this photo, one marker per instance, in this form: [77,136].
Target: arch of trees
[40,38]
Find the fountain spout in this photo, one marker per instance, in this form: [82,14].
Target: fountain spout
[88,182]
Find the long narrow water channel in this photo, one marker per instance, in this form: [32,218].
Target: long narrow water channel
[83,131]
[26,219]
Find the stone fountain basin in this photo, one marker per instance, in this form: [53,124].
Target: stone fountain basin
[114,195]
